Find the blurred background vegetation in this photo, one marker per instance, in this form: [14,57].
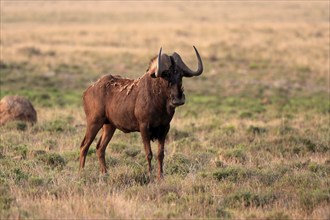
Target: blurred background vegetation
[252,140]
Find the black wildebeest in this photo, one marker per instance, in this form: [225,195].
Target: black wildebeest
[146,104]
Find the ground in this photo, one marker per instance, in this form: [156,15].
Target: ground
[252,140]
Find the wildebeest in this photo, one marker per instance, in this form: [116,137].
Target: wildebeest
[146,105]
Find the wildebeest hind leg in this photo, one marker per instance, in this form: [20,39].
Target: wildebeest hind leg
[91,132]
[108,131]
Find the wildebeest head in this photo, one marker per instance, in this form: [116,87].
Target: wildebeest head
[173,69]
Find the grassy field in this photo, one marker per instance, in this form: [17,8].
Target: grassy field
[252,140]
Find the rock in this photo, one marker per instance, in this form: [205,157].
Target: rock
[16,108]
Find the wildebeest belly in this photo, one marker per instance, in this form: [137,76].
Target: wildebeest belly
[123,120]
[120,113]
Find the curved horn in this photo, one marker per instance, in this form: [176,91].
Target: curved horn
[163,63]
[159,64]
[186,71]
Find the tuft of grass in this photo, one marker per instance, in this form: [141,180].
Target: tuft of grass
[131,152]
[237,153]
[178,164]
[256,129]
[17,125]
[53,160]
[233,174]
[19,175]
[176,134]
[6,199]
[278,215]
[36,181]
[249,199]
[311,199]
[58,125]
[246,114]
[21,151]
[118,147]
[222,213]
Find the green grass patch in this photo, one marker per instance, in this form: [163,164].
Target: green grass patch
[178,164]
[242,198]
[53,160]
[233,174]
[311,199]
[237,153]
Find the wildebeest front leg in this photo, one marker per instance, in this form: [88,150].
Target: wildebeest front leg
[161,153]
[144,129]
[160,158]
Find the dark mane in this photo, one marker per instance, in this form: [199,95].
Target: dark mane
[152,63]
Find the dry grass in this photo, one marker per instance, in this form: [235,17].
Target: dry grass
[252,140]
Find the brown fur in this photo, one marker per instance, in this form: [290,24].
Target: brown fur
[128,105]
[145,105]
